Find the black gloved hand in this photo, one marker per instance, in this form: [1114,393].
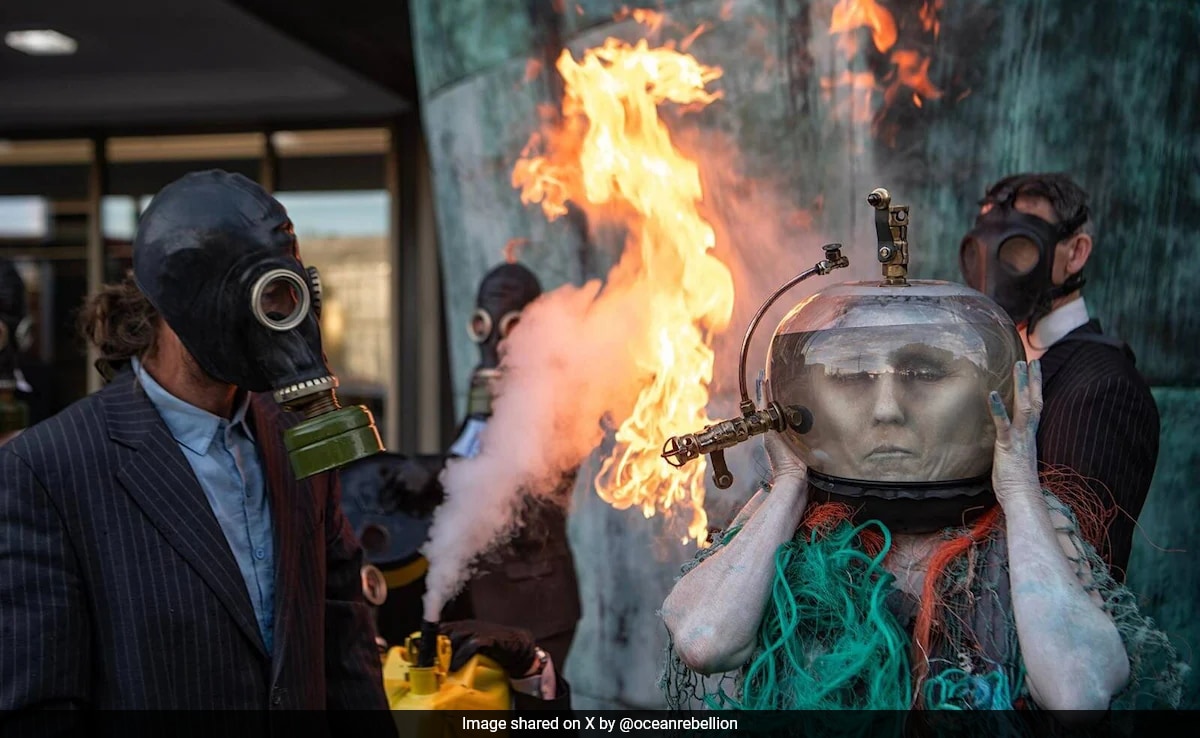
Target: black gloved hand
[512,648]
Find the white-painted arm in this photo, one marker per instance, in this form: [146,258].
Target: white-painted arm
[1073,654]
[1074,657]
[714,611]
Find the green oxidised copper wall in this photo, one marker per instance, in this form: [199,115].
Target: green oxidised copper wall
[1105,90]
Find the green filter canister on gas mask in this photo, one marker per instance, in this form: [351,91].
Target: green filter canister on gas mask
[330,436]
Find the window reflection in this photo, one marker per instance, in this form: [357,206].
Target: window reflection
[118,217]
[23,217]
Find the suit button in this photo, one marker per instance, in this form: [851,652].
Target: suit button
[277,697]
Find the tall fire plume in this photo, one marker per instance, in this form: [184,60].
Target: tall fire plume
[626,163]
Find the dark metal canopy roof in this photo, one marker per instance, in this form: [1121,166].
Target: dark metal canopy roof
[145,66]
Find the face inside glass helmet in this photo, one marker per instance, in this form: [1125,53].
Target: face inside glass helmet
[896,379]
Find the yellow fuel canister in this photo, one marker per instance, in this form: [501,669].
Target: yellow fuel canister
[481,684]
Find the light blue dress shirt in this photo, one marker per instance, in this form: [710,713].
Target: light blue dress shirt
[225,460]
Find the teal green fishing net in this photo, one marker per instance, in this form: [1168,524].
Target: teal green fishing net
[829,640]
[828,634]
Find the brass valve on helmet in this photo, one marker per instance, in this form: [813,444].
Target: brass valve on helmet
[891,230]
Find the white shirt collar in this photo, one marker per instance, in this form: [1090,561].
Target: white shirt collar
[470,442]
[1052,328]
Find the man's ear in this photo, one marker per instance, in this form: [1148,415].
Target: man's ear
[1079,248]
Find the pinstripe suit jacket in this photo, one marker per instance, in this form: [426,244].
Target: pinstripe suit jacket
[1100,420]
[118,589]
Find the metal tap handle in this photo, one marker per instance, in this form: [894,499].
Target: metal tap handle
[891,231]
[722,477]
[714,439]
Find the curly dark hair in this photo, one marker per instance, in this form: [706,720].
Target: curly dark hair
[121,323]
[1068,200]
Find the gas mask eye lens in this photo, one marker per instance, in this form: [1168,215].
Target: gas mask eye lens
[280,299]
[970,257]
[1019,254]
[480,326]
[508,322]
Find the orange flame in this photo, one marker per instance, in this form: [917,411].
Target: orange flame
[651,19]
[851,14]
[910,67]
[929,16]
[614,150]
[511,247]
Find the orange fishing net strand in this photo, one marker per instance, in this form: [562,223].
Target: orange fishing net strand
[1087,499]
[931,600]
[822,517]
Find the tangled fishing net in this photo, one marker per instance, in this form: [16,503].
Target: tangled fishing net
[835,634]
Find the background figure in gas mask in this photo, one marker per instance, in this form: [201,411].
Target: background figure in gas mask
[14,411]
[906,554]
[172,540]
[530,582]
[1027,252]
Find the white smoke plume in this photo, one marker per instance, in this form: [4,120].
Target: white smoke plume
[571,362]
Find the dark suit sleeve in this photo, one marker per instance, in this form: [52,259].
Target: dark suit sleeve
[1107,431]
[353,669]
[44,631]
[560,703]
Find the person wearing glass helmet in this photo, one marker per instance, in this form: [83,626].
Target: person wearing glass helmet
[1027,251]
[175,540]
[905,552]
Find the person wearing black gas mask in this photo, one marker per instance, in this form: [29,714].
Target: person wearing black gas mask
[1027,252]
[175,540]
[503,294]
[531,582]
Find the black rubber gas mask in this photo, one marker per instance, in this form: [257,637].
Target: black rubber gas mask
[1009,256]
[503,294]
[14,335]
[217,256]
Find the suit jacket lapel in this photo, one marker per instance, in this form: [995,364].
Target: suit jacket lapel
[158,477]
[286,495]
[1057,355]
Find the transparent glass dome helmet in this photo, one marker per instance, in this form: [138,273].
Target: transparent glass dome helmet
[896,379]
[881,388]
